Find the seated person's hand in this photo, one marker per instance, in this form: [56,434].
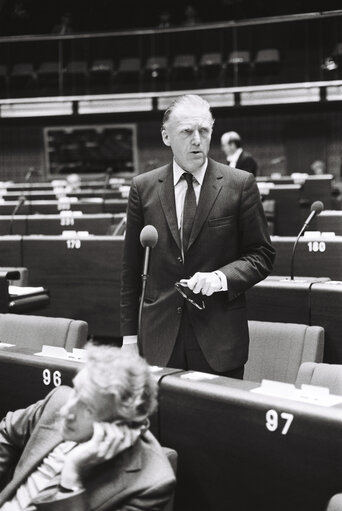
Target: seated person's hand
[206,283]
[108,440]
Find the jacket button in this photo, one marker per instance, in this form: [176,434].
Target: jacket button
[179,310]
[179,259]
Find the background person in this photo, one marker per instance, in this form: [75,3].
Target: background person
[236,157]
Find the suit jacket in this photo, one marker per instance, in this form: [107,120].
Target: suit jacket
[246,162]
[229,234]
[139,478]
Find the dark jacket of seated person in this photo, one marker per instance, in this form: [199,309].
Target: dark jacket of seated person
[87,448]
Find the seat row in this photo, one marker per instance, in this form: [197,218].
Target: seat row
[158,70]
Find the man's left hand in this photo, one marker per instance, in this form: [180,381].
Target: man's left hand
[206,283]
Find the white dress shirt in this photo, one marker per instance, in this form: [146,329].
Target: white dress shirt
[234,158]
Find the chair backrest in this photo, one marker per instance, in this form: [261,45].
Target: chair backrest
[211,59]
[130,64]
[184,60]
[153,63]
[267,55]
[172,456]
[323,375]
[239,57]
[277,350]
[34,331]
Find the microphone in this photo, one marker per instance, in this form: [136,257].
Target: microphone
[20,202]
[148,239]
[316,208]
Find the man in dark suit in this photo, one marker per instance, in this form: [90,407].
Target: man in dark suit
[236,157]
[212,232]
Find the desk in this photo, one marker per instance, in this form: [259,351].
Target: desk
[83,276]
[39,375]
[330,221]
[229,459]
[315,256]
[281,299]
[287,207]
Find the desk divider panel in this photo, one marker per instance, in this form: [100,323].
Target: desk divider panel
[19,225]
[55,224]
[315,256]
[234,454]
[326,311]
[82,275]
[330,221]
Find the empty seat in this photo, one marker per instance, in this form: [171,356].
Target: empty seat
[323,375]
[129,74]
[238,66]
[76,76]
[211,69]
[184,71]
[101,74]
[156,73]
[267,64]
[22,77]
[48,76]
[3,81]
[277,350]
[34,331]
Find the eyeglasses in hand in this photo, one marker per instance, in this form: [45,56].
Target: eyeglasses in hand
[181,289]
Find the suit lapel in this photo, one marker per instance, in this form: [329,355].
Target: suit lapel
[211,187]
[167,198]
[35,451]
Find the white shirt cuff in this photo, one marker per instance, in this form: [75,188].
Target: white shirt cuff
[129,339]
[223,280]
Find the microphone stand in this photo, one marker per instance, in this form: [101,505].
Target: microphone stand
[294,250]
[15,211]
[144,277]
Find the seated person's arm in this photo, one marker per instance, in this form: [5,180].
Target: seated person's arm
[15,430]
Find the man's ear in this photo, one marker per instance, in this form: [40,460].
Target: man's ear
[165,137]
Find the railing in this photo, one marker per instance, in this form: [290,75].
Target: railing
[287,49]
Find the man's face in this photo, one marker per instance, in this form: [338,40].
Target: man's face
[84,407]
[228,148]
[188,133]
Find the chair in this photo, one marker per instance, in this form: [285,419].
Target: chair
[34,331]
[129,74]
[156,73]
[238,66]
[3,81]
[76,76]
[48,76]
[323,375]
[184,71]
[211,69]
[267,64]
[172,456]
[277,350]
[101,74]
[22,77]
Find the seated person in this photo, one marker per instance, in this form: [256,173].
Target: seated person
[89,445]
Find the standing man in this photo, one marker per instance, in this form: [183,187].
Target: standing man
[236,157]
[212,231]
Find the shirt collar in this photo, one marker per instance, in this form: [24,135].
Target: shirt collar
[234,157]
[198,174]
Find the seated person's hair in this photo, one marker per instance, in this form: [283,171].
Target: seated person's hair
[124,379]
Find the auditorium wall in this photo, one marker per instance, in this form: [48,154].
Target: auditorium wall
[283,139]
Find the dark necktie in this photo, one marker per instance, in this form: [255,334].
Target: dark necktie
[189,210]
